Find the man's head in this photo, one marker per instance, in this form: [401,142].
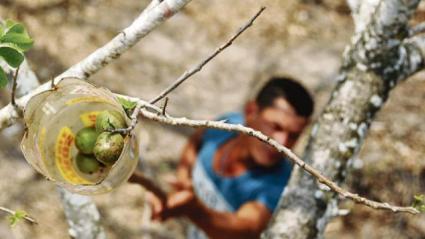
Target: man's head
[281,110]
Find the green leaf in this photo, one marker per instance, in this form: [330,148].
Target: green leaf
[12,26]
[11,54]
[3,78]
[15,33]
[16,217]
[127,104]
[20,40]
[419,202]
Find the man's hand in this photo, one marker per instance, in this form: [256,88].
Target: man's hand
[246,223]
[180,203]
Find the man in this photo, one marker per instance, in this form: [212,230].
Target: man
[229,184]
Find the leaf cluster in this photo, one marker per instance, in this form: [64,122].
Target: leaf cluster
[14,41]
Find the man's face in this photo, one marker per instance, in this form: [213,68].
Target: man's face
[281,123]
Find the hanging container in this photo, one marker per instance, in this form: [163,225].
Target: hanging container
[53,118]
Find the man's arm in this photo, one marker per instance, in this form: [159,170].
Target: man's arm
[188,157]
[248,222]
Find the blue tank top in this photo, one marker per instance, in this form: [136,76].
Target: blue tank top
[263,185]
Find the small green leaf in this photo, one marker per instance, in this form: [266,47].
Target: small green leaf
[11,54]
[127,104]
[16,217]
[12,26]
[3,78]
[419,202]
[20,40]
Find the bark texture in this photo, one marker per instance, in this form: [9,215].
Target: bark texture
[379,57]
[82,216]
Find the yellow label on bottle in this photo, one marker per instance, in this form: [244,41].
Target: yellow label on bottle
[88,99]
[63,157]
[89,119]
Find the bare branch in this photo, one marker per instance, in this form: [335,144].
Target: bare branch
[26,217]
[164,106]
[133,120]
[285,151]
[199,67]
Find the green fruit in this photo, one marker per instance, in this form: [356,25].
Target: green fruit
[86,139]
[108,147]
[109,120]
[87,163]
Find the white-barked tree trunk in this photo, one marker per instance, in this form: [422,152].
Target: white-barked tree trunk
[380,56]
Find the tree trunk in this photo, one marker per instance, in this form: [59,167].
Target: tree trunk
[377,60]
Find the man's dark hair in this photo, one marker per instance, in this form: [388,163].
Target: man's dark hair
[290,90]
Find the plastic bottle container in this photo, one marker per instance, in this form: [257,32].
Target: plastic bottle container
[54,117]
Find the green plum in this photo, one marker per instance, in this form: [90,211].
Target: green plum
[86,139]
[87,163]
[108,147]
[109,120]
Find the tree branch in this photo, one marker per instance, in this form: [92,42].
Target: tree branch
[199,67]
[102,56]
[285,151]
[166,119]
[26,217]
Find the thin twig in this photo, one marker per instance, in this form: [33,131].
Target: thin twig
[52,84]
[417,29]
[133,117]
[285,151]
[199,67]
[26,217]
[14,85]
[164,107]
[186,75]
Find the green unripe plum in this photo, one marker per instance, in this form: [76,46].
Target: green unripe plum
[87,163]
[109,120]
[86,139]
[108,147]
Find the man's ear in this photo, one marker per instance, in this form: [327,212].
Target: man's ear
[251,109]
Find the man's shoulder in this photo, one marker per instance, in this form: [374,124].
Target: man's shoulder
[233,118]
[220,135]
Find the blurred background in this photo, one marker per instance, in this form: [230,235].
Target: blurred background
[303,39]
